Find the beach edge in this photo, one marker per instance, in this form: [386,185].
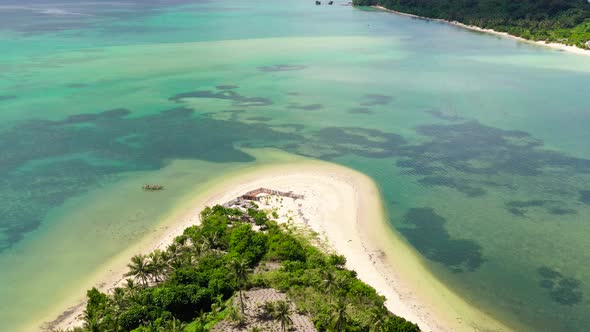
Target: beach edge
[555,46]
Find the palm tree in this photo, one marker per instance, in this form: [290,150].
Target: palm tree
[339,316]
[139,269]
[328,283]
[131,288]
[239,268]
[119,298]
[118,303]
[282,314]
[268,310]
[181,240]
[130,285]
[200,247]
[377,317]
[211,240]
[199,323]
[341,284]
[217,304]
[113,314]
[91,320]
[173,325]
[236,317]
[175,252]
[157,266]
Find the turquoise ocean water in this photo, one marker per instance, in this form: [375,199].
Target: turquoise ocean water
[479,143]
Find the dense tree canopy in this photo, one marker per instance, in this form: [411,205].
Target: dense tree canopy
[564,21]
[188,286]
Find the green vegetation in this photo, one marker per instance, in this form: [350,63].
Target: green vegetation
[563,21]
[188,286]
[281,313]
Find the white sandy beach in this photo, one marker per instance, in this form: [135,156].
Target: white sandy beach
[556,46]
[344,208]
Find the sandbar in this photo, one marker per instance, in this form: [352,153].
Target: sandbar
[344,208]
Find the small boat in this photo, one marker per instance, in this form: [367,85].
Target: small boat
[331,3]
[152,187]
[318,3]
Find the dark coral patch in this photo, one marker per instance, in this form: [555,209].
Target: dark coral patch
[472,148]
[585,196]
[233,114]
[338,141]
[444,115]
[238,100]
[360,110]
[461,185]
[7,97]
[376,99]
[77,85]
[87,118]
[34,21]
[277,68]
[226,87]
[291,127]
[548,273]
[427,233]
[562,290]
[516,211]
[310,107]
[259,118]
[51,161]
[565,294]
[520,208]
[527,204]
[416,168]
[453,155]
[561,211]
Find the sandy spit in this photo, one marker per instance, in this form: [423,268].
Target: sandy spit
[344,207]
[556,46]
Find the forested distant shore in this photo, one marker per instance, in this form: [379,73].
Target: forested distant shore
[556,21]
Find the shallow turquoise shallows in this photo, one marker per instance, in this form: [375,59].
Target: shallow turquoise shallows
[480,144]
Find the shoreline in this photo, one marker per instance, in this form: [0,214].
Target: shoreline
[555,46]
[353,223]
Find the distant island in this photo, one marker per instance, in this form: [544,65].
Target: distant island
[239,271]
[554,21]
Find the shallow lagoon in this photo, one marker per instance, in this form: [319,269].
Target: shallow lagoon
[478,143]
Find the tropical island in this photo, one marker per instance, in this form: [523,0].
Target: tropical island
[225,273]
[297,245]
[554,21]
